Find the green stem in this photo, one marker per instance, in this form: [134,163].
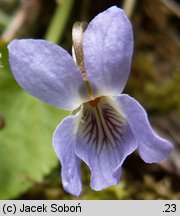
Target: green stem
[59,21]
[4,19]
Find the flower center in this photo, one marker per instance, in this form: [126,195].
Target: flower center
[94,102]
[101,126]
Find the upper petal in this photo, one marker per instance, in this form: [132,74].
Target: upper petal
[152,148]
[64,145]
[108,47]
[47,72]
[104,140]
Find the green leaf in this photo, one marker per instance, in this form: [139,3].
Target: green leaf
[26,152]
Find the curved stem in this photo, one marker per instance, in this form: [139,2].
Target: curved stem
[78,53]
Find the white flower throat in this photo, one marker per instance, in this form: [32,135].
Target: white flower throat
[101,125]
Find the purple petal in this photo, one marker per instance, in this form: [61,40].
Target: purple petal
[108,47]
[64,145]
[47,72]
[104,140]
[152,148]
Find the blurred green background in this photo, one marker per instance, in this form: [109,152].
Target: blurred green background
[29,168]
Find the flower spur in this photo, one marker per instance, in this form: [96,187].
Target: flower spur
[105,126]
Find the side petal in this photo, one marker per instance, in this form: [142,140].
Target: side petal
[64,145]
[152,148]
[108,47]
[104,140]
[47,72]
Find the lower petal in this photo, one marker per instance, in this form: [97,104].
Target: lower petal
[64,145]
[152,148]
[104,140]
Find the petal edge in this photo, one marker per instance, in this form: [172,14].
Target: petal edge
[152,148]
[64,146]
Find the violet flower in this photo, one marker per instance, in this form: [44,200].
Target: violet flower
[105,125]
